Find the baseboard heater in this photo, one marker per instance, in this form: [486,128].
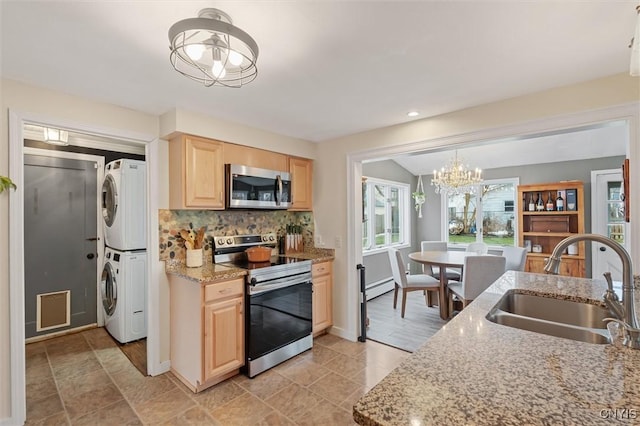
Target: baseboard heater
[379,287]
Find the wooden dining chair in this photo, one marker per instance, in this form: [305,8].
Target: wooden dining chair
[479,272]
[434,271]
[516,258]
[410,283]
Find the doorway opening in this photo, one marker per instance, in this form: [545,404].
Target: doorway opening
[543,156]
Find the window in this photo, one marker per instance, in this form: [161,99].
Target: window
[486,216]
[385,214]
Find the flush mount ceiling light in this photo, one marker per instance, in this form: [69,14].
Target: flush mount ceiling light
[413,113]
[210,50]
[634,68]
[56,136]
[456,179]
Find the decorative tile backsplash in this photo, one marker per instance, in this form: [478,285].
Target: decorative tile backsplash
[241,222]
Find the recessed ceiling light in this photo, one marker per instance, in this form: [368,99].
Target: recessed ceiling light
[413,113]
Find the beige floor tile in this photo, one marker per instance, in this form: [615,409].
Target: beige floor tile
[327,340]
[147,388]
[80,368]
[76,385]
[348,348]
[36,359]
[304,372]
[264,385]
[59,419]
[38,409]
[334,387]
[320,354]
[370,376]
[387,356]
[38,373]
[82,403]
[113,360]
[326,413]
[351,400]
[42,387]
[127,377]
[218,395]
[275,419]
[163,407]
[244,410]
[67,344]
[119,413]
[35,348]
[293,400]
[345,365]
[193,416]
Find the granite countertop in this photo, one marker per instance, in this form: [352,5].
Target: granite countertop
[474,371]
[210,272]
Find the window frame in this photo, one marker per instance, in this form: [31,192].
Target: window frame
[444,214]
[404,214]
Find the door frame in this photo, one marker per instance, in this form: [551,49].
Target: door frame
[595,219]
[99,229]
[628,112]
[17,120]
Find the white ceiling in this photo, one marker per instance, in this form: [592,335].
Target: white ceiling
[326,68]
[607,140]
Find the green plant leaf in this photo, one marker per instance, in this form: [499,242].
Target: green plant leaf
[6,184]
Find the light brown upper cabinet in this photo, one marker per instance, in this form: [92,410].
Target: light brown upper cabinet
[301,170]
[254,157]
[196,173]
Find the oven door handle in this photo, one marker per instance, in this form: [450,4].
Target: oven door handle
[279,283]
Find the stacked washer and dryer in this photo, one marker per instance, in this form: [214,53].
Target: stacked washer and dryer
[123,286]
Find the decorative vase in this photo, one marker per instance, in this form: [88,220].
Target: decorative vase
[194,258]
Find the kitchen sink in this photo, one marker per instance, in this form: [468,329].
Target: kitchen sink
[555,317]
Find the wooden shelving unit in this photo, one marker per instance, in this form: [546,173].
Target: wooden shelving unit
[546,229]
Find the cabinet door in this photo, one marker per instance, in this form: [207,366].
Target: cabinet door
[322,309]
[301,171]
[204,173]
[223,337]
[568,267]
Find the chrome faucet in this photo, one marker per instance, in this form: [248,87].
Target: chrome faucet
[624,312]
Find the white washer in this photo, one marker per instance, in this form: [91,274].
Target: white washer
[124,191]
[123,290]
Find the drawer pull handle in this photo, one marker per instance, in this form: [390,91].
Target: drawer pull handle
[225,290]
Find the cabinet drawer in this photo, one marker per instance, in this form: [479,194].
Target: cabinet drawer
[223,290]
[549,224]
[321,268]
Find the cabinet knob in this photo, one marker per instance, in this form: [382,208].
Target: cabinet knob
[603,249]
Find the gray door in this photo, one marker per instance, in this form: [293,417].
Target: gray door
[60,215]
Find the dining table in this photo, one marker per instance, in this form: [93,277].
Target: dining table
[443,260]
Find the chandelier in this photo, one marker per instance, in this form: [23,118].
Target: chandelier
[210,50]
[455,178]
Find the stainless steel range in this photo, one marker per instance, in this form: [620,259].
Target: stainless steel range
[278,314]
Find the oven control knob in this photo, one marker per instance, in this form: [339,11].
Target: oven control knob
[220,241]
[254,281]
[264,238]
[271,238]
[229,240]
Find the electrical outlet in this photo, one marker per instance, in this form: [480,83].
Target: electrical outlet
[338,242]
[318,241]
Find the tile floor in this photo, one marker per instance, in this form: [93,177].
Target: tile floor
[84,379]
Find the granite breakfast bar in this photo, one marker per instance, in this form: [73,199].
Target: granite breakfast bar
[474,371]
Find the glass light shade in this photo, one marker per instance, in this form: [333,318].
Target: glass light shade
[456,179]
[198,43]
[56,136]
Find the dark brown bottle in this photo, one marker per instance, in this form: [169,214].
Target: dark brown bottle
[550,203]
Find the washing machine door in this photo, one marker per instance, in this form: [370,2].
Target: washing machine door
[109,289]
[109,200]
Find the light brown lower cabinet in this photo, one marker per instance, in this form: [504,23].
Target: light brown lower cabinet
[207,331]
[568,267]
[322,276]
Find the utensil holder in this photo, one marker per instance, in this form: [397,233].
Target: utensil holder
[194,258]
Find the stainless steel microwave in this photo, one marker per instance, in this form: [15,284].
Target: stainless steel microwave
[255,188]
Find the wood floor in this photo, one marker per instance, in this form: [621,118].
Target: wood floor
[409,333]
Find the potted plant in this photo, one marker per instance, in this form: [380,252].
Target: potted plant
[6,184]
